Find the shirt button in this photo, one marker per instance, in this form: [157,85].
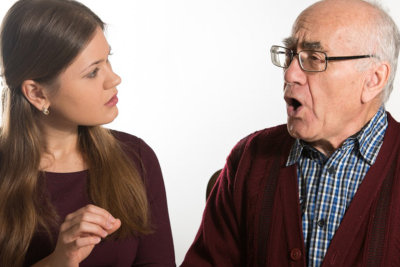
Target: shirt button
[295,254]
[321,223]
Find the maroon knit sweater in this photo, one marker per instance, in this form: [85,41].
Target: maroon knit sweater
[68,193]
[252,217]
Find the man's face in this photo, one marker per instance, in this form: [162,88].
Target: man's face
[324,106]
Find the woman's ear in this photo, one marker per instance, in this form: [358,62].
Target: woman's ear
[375,82]
[35,94]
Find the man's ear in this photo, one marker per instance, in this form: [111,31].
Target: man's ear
[35,94]
[375,81]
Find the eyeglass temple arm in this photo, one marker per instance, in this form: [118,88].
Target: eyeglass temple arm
[349,57]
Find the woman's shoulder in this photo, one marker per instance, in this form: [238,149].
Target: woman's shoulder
[146,161]
[137,149]
[126,137]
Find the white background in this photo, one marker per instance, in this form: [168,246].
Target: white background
[196,78]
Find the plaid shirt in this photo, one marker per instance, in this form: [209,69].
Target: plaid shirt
[327,185]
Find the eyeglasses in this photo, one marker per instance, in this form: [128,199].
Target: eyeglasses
[310,60]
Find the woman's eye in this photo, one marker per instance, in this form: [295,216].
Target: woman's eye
[93,74]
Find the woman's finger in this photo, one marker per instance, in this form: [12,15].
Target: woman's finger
[115,226]
[105,222]
[81,242]
[82,229]
[92,214]
[90,209]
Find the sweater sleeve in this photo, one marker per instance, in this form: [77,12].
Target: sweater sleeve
[155,249]
[218,241]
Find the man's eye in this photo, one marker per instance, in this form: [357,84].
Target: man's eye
[93,74]
[315,57]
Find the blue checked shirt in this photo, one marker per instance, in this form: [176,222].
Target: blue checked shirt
[327,185]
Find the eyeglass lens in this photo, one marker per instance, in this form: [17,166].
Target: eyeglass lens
[312,60]
[309,60]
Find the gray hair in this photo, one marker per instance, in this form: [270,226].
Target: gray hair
[383,40]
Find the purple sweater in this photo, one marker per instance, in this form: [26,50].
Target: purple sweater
[253,218]
[68,194]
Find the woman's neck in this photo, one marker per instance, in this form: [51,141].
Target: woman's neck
[61,153]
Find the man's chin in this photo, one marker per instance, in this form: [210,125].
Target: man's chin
[292,130]
[294,127]
[297,130]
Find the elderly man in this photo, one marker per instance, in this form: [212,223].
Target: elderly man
[323,190]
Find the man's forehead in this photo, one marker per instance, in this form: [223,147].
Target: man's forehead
[293,42]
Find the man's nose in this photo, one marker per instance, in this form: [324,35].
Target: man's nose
[294,74]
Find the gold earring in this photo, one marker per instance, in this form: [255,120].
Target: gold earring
[45,111]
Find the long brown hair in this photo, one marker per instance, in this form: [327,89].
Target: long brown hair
[40,39]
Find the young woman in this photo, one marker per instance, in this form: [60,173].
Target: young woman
[72,193]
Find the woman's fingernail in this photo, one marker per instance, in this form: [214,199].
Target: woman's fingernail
[110,222]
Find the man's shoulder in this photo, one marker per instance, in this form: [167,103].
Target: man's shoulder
[393,123]
[273,141]
[268,136]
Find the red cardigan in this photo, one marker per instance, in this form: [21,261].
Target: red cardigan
[252,217]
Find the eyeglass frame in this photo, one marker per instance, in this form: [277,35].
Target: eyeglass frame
[336,58]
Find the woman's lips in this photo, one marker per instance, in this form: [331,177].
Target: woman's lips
[113,101]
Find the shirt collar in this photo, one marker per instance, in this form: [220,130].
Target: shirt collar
[368,140]
[295,152]
[371,136]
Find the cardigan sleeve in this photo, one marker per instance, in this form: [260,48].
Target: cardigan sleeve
[155,249]
[218,241]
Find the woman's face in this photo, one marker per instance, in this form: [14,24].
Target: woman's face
[87,93]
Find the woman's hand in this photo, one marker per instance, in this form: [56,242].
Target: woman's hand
[80,232]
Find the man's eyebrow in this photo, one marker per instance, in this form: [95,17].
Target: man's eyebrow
[311,45]
[290,42]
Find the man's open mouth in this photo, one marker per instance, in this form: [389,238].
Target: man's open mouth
[294,103]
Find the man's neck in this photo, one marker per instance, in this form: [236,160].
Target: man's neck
[330,145]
